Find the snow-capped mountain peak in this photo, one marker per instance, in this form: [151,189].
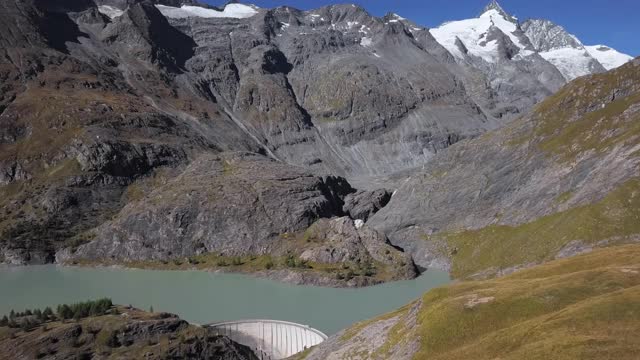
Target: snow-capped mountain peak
[480,37]
[494,6]
[496,36]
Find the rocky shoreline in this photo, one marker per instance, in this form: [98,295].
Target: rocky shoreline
[301,277]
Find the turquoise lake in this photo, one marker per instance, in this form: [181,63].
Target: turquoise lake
[203,297]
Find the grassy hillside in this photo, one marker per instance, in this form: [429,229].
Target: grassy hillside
[586,307]
[614,219]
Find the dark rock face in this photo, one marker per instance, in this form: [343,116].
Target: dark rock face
[145,29]
[76,131]
[232,203]
[363,204]
[12,171]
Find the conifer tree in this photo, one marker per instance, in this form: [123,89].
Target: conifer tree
[47,314]
[64,312]
[38,314]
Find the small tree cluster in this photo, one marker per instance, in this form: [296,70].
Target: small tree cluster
[293,262]
[83,309]
[269,264]
[29,319]
[351,270]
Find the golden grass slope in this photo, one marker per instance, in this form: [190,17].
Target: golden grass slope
[586,307]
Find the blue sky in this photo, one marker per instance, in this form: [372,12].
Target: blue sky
[611,22]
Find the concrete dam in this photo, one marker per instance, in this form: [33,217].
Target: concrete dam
[271,339]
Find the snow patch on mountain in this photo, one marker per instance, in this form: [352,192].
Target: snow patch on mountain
[608,57]
[396,18]
[571,62]
[110,11]
[238,11]
[366,42]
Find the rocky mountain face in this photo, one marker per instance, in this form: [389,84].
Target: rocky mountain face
[559,181]
[228,203]
[75,131]
[561,49]
[86,121]
[149,130]
[546,36]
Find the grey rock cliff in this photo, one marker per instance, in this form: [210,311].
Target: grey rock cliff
[231,203]
[545,35]
[363,204]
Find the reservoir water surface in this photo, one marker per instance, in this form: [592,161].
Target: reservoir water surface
[203,297]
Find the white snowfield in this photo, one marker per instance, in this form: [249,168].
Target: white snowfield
[471,33]
[608,57]
[110,11]
[238,11]
[571,62]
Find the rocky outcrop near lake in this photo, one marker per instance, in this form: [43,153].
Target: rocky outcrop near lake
[239,205]
[124,333]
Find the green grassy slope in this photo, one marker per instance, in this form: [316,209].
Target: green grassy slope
[615,219]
